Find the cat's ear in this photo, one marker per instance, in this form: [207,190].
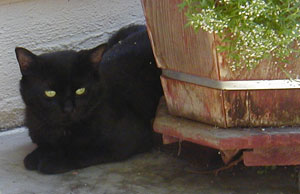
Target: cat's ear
[95,54]
[25,58]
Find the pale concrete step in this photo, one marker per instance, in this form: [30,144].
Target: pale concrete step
[156,172]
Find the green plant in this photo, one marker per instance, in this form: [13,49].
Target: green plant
[251,30]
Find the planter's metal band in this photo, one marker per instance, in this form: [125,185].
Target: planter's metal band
[233,85]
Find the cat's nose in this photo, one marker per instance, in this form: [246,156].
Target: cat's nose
[68,107]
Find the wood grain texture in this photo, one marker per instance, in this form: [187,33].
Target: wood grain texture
[179,48]
[264,71]
[194,102]
[176,46]
[221,138]
[276,156]
[274,108]
[236,108]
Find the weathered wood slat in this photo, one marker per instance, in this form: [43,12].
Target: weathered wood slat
[236,108]
[259,146]
[277,156]
[175,46]
[220,138]
[179,48]
[194,102]
[274,108]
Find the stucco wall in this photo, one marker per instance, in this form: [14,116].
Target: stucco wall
[50,25]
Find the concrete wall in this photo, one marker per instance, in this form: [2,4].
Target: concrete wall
[51,25]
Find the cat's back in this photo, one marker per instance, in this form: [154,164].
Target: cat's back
[131,43]
[129,57]
[130,70]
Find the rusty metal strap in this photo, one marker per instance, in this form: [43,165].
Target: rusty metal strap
[234,85]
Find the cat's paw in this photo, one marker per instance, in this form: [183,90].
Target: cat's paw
[31,161]
[53,166]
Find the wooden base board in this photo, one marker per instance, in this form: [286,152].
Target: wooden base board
[254,142]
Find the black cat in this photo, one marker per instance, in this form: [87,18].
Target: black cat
[92,106]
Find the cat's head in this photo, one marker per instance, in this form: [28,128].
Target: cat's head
[60,87]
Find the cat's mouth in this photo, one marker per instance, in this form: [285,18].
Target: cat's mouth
[73,117]
[69,118]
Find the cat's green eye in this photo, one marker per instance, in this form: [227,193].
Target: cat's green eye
[80,91]
[50,93]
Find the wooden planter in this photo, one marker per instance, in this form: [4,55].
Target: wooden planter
[180,49]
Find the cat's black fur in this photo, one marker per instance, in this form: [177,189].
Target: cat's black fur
[110,122]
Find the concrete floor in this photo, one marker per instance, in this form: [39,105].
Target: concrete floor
[158,172]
